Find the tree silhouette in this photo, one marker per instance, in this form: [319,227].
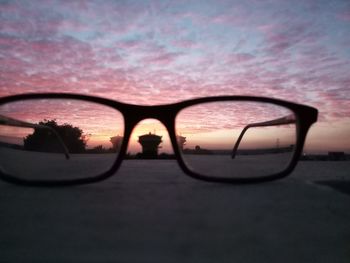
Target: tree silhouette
[44,140]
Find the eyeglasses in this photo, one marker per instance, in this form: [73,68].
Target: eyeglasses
[53,139]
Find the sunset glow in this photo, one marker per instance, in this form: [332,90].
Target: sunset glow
[157,52]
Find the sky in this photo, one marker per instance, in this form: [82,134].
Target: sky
[156,52]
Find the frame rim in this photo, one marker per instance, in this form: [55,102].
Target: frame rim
[166,114]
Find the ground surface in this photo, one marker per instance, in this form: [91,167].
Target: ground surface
[150,211]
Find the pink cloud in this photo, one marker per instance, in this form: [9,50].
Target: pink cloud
[185,44]
[71,25]
[162,58]
[279,37]
[344,15]
[238,58]
[67,64]
[130,44]
[236,19]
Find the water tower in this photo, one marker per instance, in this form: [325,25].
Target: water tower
[150,144]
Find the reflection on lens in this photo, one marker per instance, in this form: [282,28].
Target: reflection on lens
[57,139]
[236,139]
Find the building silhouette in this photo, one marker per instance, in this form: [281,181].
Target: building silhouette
[150,145]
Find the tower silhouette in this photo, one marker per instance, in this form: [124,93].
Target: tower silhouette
[150,145]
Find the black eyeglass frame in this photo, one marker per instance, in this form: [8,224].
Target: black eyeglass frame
[166,114]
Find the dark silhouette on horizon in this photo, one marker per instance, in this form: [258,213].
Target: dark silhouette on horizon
[150,145]
[197,150]
[43,140]
[116,142]
[181,140]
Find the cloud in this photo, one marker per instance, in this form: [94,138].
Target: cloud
[163,58]
[185,44]
[280,37]
[147,52]
[344,15]
[238,58]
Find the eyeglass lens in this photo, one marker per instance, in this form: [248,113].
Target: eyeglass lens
[211,143]
[56,139]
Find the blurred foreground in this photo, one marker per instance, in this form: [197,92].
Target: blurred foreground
[162,215]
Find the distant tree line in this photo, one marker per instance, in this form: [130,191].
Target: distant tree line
[100,149]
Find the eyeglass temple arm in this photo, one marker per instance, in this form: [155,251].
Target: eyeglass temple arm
[284,120]
[17,123]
